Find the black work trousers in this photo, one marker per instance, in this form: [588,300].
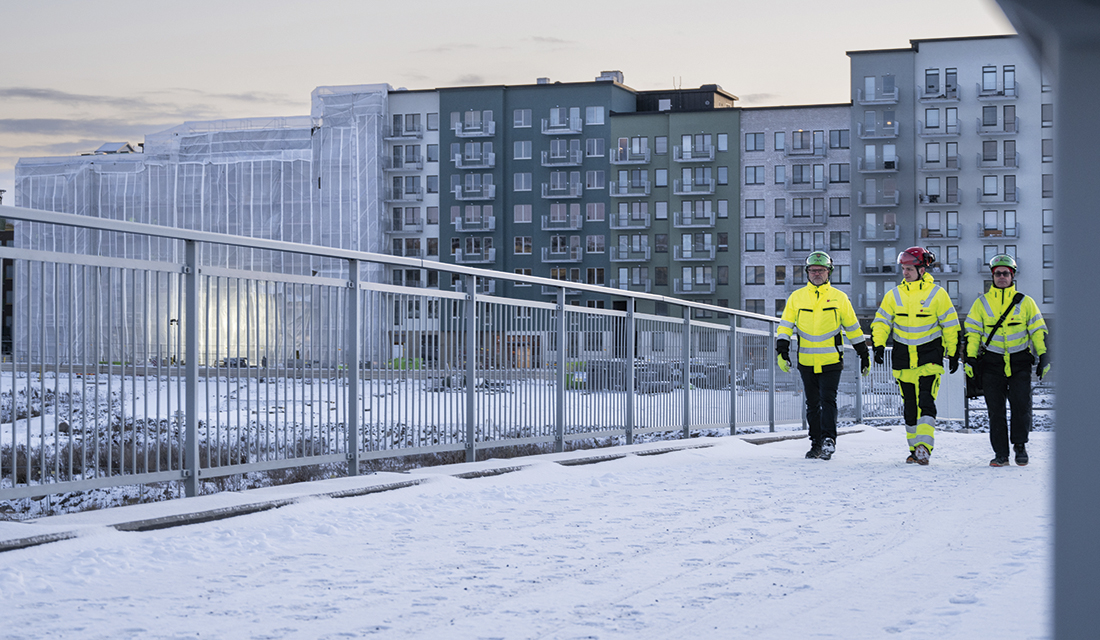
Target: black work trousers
[821,402]
[1017,390]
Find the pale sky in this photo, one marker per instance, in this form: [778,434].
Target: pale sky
[75,74]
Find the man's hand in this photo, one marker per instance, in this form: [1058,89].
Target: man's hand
[953,363]
[1043,368]
[783,348]
[865,363]
[880,354]
[784,362]
[969,368]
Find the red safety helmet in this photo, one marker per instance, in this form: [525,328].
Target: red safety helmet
[918,257]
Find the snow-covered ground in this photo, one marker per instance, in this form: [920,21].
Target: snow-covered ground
[732,541]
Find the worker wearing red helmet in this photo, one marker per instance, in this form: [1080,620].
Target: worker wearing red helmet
[925,327]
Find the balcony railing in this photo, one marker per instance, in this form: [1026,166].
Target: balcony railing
[946,268]
[571,126]
[705,154]
[950,232]
[485,255]
[999,129]
[878,199]
[403,133]
[680,220]
[1010,196]
[1011,162]
[680,188]
[481,129]
[878,97]
[403,164]
[885,166]
[571,254]
[1002,231]
[951,197]
[886,131]
[571,190]
[572,158]
[627,221]
[482,224]
[645,285]
[876,269]
[688,254]
[945,131]
[625,156]
[484,192]
[571,222]
[1001,93]
[628,189]
[693,287]
[619,254]
[879,233]
[405,195]
[949,163]
[404,226]
[945,94]
[483,161]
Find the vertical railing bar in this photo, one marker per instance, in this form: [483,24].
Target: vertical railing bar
[355,337]
[731,346]
[631,348]
[685,379]
[771,379]
[559,393]
[471,371]
[191,326]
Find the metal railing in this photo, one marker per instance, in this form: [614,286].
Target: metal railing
[181,367]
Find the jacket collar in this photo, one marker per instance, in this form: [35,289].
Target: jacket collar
[924,282]
[1002,296]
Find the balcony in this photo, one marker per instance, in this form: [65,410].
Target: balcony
[681,154]
[689,254]
[404,226]
[626,254]
[817,219]
[680,188]
[482,224]
[878,199]
[405,195]
[484,192]
[887,270]
[549,290]
[1002,231]
[1009,128]
[483,161]
[946,131]
[572,158]
[398,133]
[628,189]
[813,152]
[949,269]
[1001,93]
[1011,196]
[571,190]
[625,156]
[884,132]
[879,233]
[571,222]
[936,94]
[865,304]
[480,129]
[481,257]
[403,164]
[570,127]
[951,197]
[572,254]
[878,97]
[484,286]
[693,287]
[950,232]
[645,285]
[628,221]
[883,166]
[1011,162]
[704,220]
[949,163]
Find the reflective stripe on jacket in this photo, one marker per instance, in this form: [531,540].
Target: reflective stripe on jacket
[1022,329]
[819,315]
[923,321]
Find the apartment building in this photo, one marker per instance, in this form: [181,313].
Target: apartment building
[954,150]
[797,172]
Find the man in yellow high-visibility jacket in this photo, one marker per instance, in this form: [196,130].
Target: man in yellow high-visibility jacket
[820,314]
[1006,362]
[925,326]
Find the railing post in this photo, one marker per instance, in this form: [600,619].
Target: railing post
[630,346]
[685,378]
[772,364]
[559,395]
[191,370]
[734,321]
[471,368]
[859,394]
[351,361]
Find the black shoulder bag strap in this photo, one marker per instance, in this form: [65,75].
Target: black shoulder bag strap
[1015,301]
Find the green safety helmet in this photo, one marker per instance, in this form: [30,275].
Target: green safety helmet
[1002,260]
[819,259]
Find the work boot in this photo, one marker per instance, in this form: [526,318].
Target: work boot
[921,453]
[828,447]
[912,459]
[1021,454]
[815,451]
[999,461]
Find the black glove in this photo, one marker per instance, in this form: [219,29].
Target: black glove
[1043,367]
[783,348]
[880,354]
[864,361]
[953,363]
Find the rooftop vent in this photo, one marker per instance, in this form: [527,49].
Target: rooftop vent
[610,76]
[542,81]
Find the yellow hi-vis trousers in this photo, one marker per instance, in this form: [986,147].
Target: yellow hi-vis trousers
[919,388]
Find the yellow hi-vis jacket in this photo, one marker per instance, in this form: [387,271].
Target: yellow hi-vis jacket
[819,314]
[1022,329]
[924,324]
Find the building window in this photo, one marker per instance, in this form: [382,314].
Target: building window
[660,276]
[842,274]
[754,208]
[780,240]
[1048,291]
[839,139]
[433,122]
[594,244]
[522,182]
[523,245]
[594,147]
[521,213]
[840,172]
[723,274]
[433,215]
[754,275]
[723,142]
[840,240]
[754,242]
[594,212]
[1048,220]
[780,141]
[724,241]
[521,118]
[660,145]
[989,78]
[754,175]
[780,174]
[839,207]
[593,115]
[660,243]
[1048,115]
[1048,151]
[1048,185]
[660,177]
[433,153]
[723,175]
[431,184]
[754,142]
[522,149]
[754,306]
[780,274]
[723,208]
[1048,256]
[522,272]
[660,210]
[594,179]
